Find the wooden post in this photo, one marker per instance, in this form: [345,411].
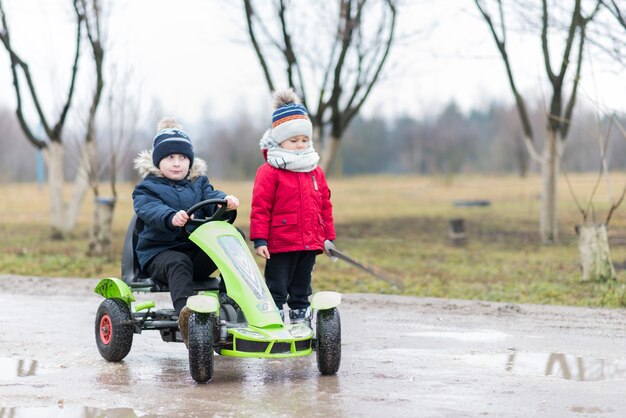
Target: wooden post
[100,243]
[456,231]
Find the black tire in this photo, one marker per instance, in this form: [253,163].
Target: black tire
[328,341]
[230,314]
[114,330]
[201,328]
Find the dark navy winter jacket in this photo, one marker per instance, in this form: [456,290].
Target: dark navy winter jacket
[156,200]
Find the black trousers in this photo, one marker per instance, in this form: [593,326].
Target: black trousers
[288,277]
[178,270]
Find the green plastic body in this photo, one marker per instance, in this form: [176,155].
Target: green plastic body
[288,335]
[245,283]
[113,288]
[265,334]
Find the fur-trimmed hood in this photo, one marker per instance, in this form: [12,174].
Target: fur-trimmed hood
[145,167]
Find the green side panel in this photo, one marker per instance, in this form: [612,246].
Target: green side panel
[144,306]
[113,288]
[245,283]
[213,293]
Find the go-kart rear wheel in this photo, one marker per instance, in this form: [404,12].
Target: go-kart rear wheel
[328,341]
[201,327]
[114,330]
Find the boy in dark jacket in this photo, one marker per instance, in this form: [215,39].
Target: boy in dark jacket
[291,217]
[173,181]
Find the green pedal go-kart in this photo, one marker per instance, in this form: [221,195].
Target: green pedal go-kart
[245,322]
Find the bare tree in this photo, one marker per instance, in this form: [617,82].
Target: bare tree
[113,136]
[560,108]
[360,35]
[100,236]
[50,142]
[593,242]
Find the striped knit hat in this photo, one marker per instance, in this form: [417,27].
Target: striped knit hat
[290,118]
[171,139]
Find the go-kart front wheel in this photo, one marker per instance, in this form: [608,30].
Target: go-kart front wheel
[201,326]
[328,341]
[114,330]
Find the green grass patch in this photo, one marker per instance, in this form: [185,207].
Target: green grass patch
[397,224]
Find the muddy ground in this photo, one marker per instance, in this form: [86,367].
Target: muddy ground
[402,356]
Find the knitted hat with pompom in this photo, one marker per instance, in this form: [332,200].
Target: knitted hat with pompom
[171,139]
[290,118]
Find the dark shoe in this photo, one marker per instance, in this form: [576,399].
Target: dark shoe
[300,316]
[183,324]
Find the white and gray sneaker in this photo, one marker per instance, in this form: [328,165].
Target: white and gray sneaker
[300,316]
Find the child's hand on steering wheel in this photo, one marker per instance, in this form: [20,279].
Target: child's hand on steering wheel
[233,202]
[180,218]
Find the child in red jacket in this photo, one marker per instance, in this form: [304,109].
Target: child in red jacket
[291,218]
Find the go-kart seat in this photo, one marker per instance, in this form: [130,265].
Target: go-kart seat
[136,278]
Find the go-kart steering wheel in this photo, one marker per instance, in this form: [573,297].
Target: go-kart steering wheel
[221,214]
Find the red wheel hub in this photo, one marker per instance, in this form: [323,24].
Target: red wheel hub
[106,329]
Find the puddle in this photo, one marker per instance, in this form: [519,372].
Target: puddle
[71,411]
[12,368]
[561,365]
[477,336]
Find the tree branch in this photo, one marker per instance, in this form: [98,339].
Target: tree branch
[353,110]
[16,61]
[519,100]
[257,48]
[614,9]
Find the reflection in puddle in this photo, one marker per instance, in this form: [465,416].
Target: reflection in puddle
[478,336]
[248,388]
[71,411]
[12,368]
[564,366]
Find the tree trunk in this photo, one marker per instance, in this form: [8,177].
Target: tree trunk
[595,255]
[522,156]
[81,184]
[330,151]
[53,155]
[63,217]
[550,167]
[101,237]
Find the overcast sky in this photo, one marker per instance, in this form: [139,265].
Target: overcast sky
[193,57]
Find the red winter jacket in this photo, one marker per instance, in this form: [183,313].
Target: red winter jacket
[290,210]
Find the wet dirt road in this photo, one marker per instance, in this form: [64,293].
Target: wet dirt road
[402,356]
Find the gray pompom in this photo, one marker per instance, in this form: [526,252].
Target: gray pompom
[168,123]
[285,97]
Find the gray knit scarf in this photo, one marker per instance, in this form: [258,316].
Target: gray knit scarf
[298,161]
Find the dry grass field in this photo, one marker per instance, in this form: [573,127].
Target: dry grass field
[399,224]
